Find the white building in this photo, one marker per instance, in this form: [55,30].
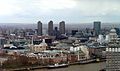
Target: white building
[113,35]
[113,52]
[100,39]
[107,38]
[82,48]
[38,48]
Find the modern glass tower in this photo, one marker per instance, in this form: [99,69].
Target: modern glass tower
[97,27]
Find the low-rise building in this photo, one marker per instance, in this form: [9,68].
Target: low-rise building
[40,47]
[97,51]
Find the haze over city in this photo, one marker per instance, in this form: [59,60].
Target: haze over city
[59,35]
[71,11]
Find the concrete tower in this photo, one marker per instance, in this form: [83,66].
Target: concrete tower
[97,27]
[62,27]
[39,27]
[50,28]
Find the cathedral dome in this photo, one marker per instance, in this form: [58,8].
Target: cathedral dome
[113,31]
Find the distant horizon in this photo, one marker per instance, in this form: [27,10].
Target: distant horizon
[81,23]
[74,26]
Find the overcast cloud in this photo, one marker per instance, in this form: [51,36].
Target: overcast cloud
[72,11]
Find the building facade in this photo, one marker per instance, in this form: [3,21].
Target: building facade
[113,57]
[62,27]
[40,47]
[2,42]
[39,28]
[97,27]
[50,28]
[113,52]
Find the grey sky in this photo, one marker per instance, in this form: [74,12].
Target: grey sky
[71,11]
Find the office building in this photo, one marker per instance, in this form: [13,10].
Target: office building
[39,28]
[2,42]
[56,33]
[62,27]
[74,32]
[113,53]
[50,28]
[113,57]
[117,31]
[97,27]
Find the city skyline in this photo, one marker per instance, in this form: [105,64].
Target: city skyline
[71,11]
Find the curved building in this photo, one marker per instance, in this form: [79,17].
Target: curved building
[62,27]
[39,28]
[50,28]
